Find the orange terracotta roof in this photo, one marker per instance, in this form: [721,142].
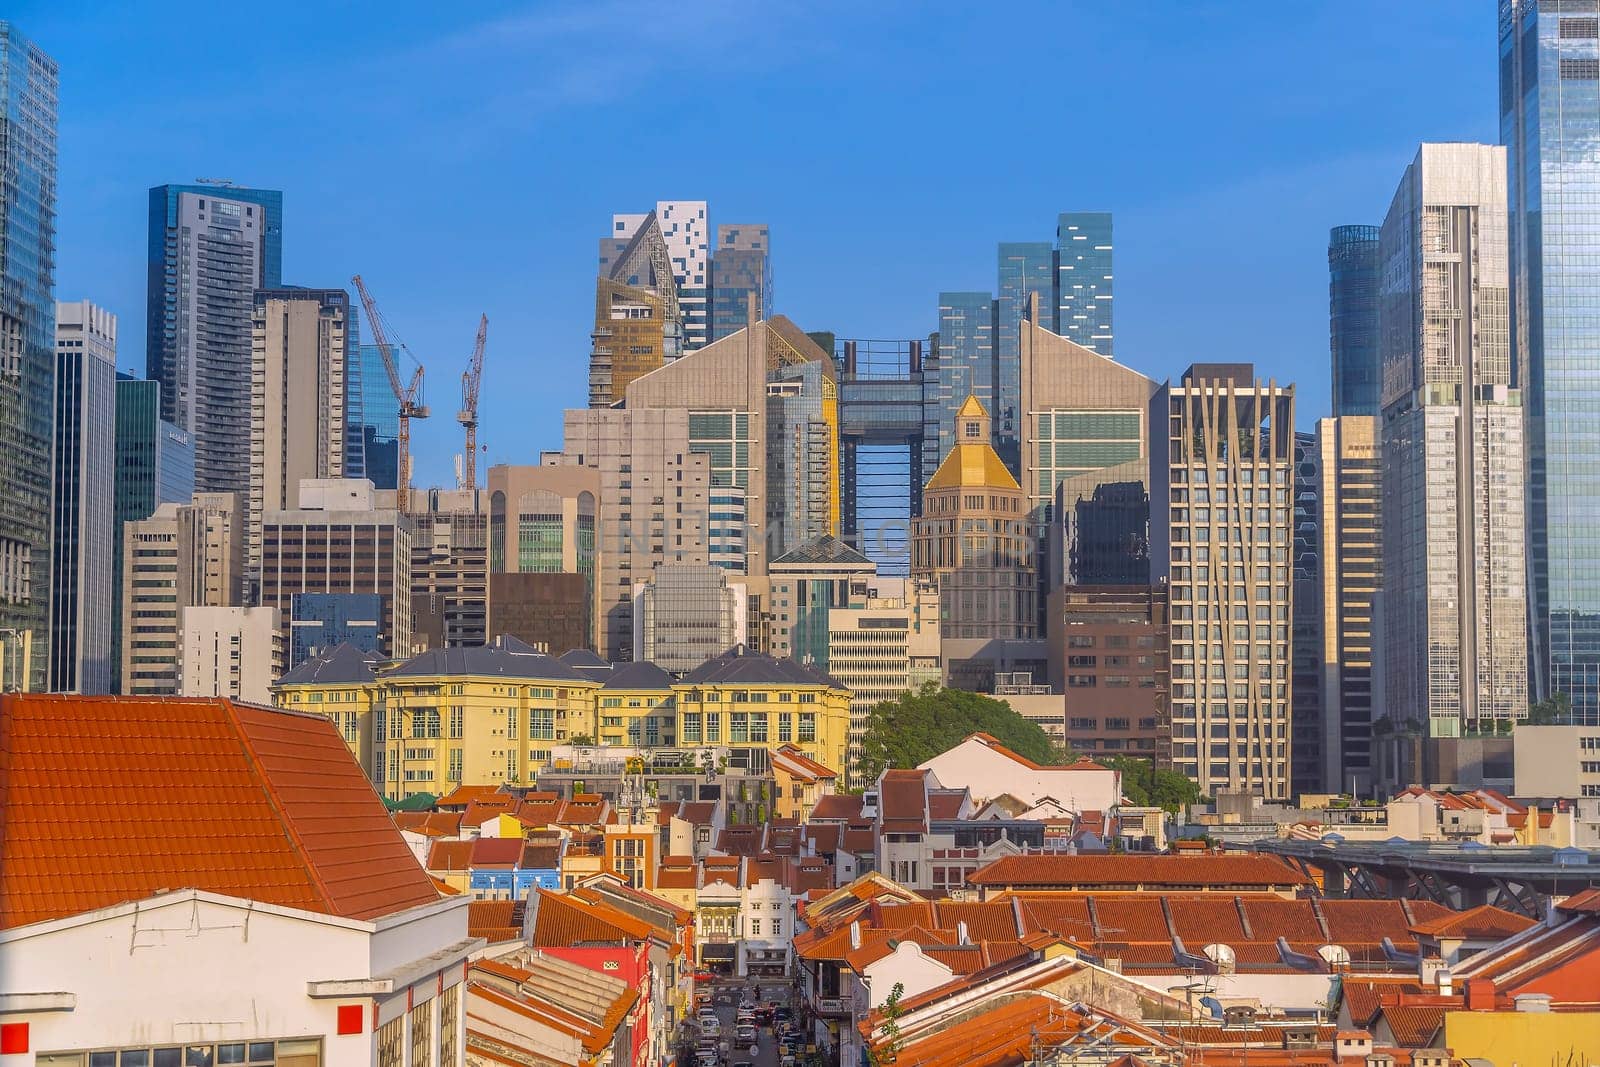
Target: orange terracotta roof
[450,856]
[497,920]
[563,920]
[429,823]
[1364,996]
[445,888]
[299,824]
[1174,871]
[1003,1035]
[462,795]
[1082,763]
[1583,902]
[799,764]
[1485,922]
[1414,1026]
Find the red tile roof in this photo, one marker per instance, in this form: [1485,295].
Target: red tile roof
[1413,1026]
[945,803]
[563,921]
[800,765]
[462,795]
[1082,763]
[496,852]
[1483,923]
[837,807]
[297,822]
[1364,996]
[903,801]
[1151,871]
[450,856]
[497,920]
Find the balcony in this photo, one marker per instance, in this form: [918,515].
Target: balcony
[833,1007]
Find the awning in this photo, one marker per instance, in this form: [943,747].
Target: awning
[717,952]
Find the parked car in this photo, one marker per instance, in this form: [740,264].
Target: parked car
[745,1035]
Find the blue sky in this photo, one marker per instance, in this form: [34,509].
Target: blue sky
[465,157]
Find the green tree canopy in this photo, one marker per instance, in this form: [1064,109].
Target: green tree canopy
[1147,786]
[920,725]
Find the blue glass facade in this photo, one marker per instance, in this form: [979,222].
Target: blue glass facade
[1084,280]
[741,267]
[372,421]
[1550,123]
[28,81]
[966,363]
[1353,319]
[319,621]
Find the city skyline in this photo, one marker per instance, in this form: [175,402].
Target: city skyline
[1278,195]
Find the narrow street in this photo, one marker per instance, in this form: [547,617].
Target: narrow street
[725,998]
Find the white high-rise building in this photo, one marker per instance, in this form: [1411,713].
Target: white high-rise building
[1455,587]
[230,652]
[1220,514]
[81,563]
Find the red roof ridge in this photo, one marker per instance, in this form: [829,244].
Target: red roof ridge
[292,831]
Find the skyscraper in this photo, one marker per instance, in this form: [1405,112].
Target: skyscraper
[1027,273]
[1454,584]
[371,420]
[1349,580]
[1084,280]
[1549,102]
[300,364]
[1220,536]
[82,571]
[1305,759]
[671,239]
[27,359]
[154,466]
[741,268]
[210,247]
[1353,318]
[965,363]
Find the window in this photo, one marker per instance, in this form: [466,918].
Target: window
[713,726]
[511,722]
[294,1052]
[425,722]
[808,726]
[455,722]
[542,724]
[422,1033]
[755,927]
[691,728]
[785,726]
[777,927]
[454,773]
[449,1021]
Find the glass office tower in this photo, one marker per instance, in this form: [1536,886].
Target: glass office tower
[28,80]
[967,363]
[741,267]
[1353,318]
[372,421]
[1550,124]
[1083,280]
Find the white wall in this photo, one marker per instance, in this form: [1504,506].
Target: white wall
[193,967]
[988,774]
[907,966]
[209,639]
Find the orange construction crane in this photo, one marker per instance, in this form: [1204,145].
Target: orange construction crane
[408,397]
[471,378]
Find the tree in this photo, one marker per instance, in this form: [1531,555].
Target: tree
[1146,785]
[918,726]
[888,1050]
[1556,711]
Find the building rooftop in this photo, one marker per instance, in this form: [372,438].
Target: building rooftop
[640,674]
[1231,871]
[824,550]
[295,821]
[343,664]
[744,666]
[504,657]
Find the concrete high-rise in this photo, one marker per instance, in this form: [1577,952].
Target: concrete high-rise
[1455,570]
[666,250]
[183,556]
[1353,319]
[1349,586]
[230,652]
[341,537]
[210,247]
[27,358]
[1220,537]
[687,614]
[82,569]
[546,520]
[741,270]
[1548,115]
[301,346]
[449,568]
[1083,287]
